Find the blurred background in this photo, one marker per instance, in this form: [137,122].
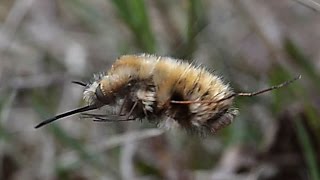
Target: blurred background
[252,44]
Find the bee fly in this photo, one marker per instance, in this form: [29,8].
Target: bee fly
[162,90]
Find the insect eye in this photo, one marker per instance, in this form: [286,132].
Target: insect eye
[100,96]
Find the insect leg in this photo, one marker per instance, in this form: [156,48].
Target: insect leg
[286,83]
[111,118]
[117,119]
[89,115]
[122,105]
[105,118]
[132,109]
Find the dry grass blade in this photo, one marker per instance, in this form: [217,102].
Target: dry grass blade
[310,4]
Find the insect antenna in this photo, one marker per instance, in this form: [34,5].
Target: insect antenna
[75,111]
[79,83]
[286,83]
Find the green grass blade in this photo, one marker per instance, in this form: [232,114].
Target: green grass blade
[308,150]
[134,15]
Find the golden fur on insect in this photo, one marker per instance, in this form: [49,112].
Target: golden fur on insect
[163,90]
[153,82]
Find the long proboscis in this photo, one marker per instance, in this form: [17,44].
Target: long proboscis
[286,83]
[69,113]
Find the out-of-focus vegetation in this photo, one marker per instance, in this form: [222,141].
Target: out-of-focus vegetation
[45,44]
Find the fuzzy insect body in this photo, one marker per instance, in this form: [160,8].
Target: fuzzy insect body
[163,90]
[153,82]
